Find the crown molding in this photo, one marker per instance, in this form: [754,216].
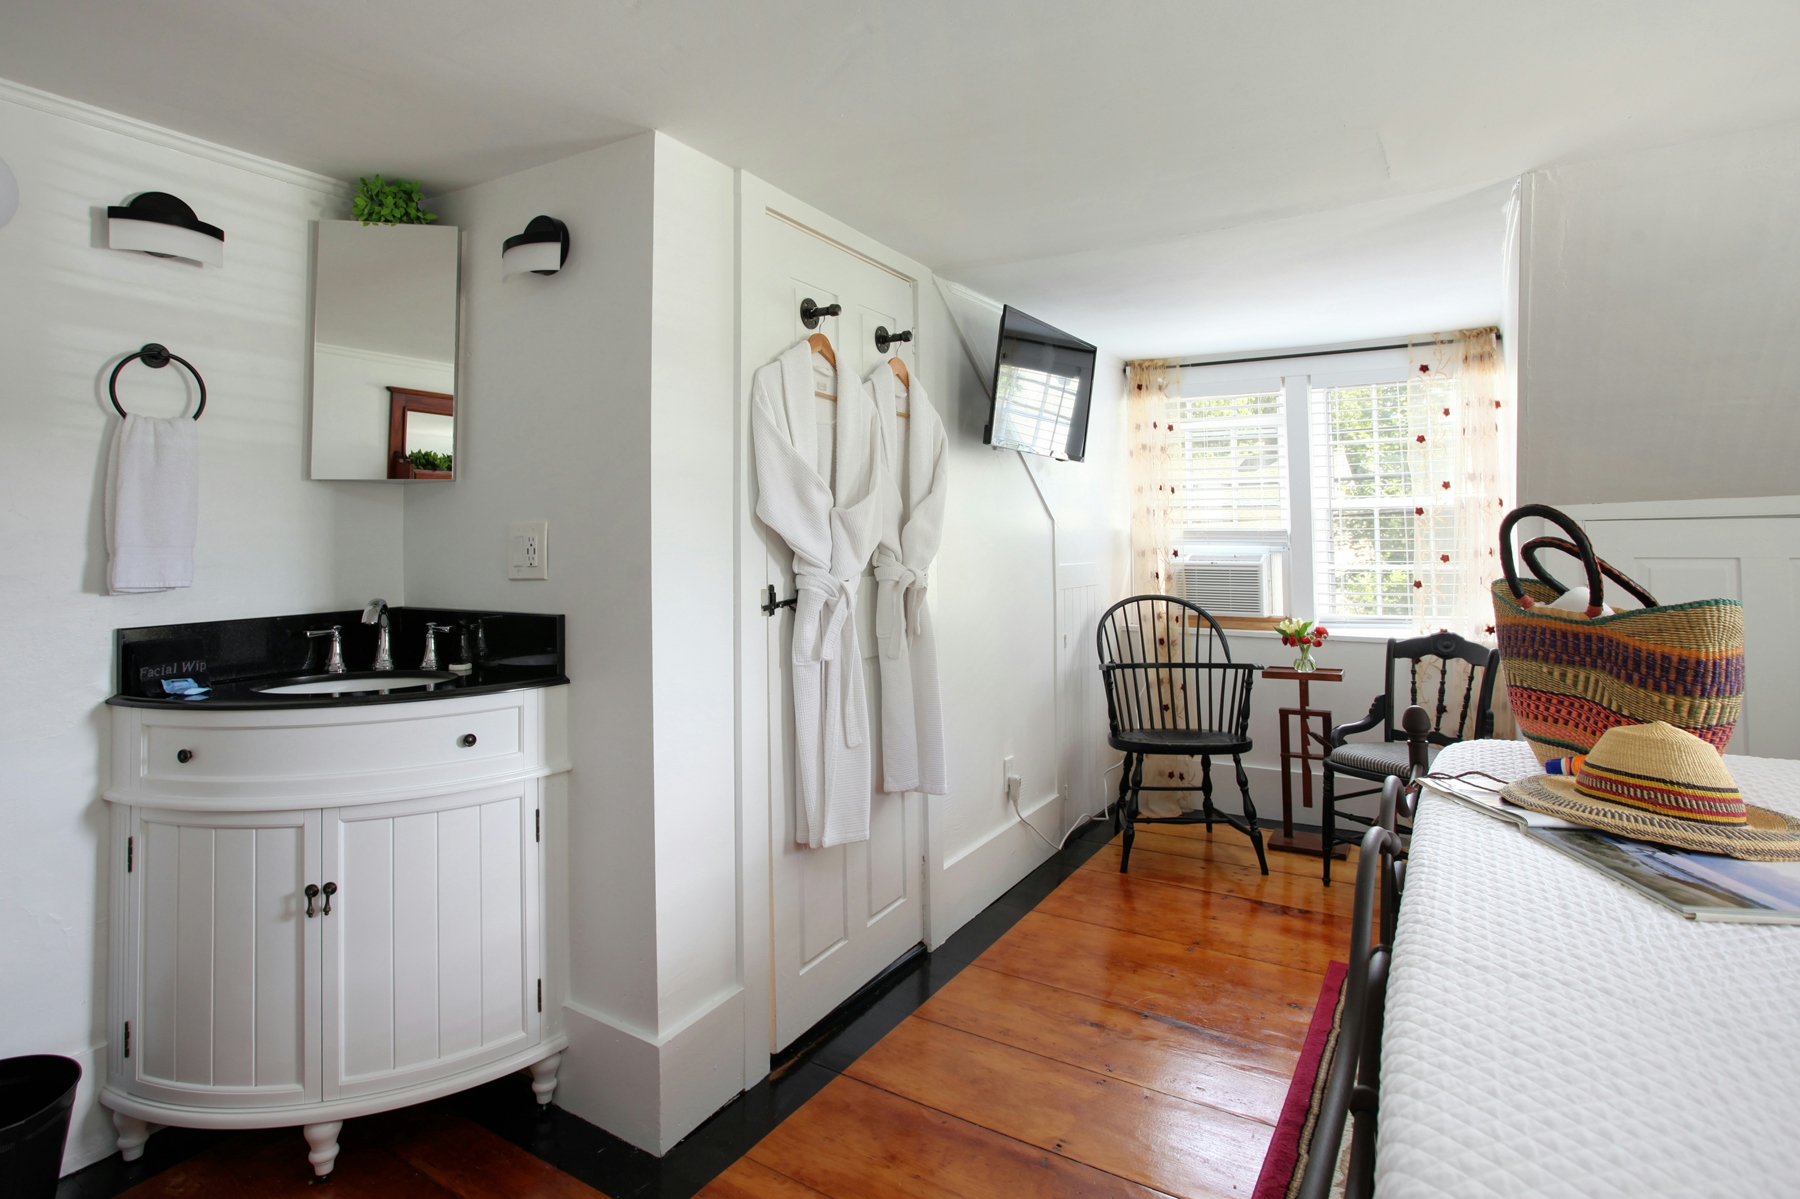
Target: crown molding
[112,122]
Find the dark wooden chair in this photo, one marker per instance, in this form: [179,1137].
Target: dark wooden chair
[1470,717]
[1172,689]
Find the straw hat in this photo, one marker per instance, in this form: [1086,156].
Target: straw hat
[1654,782]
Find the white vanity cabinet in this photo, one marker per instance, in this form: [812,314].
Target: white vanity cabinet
[324,912]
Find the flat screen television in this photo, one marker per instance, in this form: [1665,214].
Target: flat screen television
[1043,381]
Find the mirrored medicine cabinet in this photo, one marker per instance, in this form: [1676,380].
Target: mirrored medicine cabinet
[384,351]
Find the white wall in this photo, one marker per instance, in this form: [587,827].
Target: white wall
[1661,291]
[555,425]
[600,399]
[270,541]
[994,596]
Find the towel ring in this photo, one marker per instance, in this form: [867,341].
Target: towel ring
[156,357]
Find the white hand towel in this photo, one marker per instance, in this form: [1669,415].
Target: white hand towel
[152,504]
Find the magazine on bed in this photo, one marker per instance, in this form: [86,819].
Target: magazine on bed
[1701,886]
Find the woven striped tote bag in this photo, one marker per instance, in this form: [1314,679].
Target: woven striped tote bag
[1570,676]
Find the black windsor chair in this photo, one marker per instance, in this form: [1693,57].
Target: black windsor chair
[1172,689]
[1374,761]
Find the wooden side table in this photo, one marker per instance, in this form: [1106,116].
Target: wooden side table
[1288,841]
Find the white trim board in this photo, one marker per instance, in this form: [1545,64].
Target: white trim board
[112,122]
[1710,509]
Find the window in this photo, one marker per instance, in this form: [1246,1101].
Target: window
[1369,494]
[1345,480]
[1231,472]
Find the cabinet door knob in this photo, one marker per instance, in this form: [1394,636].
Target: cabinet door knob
[330,889]
[466,740]
[184,756]
[312,900]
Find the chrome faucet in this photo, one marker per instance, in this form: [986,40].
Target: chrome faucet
[334,660]
[430,662]
[378,611]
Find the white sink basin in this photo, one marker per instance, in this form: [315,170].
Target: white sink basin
[357,684]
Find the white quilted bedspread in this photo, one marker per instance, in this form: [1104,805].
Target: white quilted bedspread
[1551,1033]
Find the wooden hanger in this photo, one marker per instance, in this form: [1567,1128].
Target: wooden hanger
[899,369]
[821,344]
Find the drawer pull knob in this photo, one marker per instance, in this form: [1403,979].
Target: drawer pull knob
[466,740]
[312,900]
[184,756]
[329,890]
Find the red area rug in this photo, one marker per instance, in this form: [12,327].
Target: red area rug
[1281,1164]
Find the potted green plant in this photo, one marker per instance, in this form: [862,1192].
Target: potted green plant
[381,202]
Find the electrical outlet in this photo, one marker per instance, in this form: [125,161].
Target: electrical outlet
[528,550]
[1014,784]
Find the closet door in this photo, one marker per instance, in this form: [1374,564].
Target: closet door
[223,1006]
[431,948]
[840,915]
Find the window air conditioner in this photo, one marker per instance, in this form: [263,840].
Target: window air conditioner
[1228,583]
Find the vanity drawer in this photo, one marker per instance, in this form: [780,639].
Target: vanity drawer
[480,738]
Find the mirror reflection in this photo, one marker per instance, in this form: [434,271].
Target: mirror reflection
[384,351]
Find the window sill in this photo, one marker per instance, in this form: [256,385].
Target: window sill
[1373,636]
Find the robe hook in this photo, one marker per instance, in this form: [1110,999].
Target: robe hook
[771,605]
[811,313]
[884,339]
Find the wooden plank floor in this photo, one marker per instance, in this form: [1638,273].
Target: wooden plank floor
[421,1152]
[1133,1035]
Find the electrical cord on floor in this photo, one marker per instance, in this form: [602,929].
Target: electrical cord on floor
[1087,818]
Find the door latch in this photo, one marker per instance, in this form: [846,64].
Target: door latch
[771,605]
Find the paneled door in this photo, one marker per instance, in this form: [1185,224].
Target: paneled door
[839,915]
[1752,558]
[430,950]
[225,1010]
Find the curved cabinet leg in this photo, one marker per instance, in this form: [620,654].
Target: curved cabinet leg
[543,1078]
[133,1132]
[321,1140]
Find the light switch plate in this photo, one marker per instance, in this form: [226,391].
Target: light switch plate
[527,550]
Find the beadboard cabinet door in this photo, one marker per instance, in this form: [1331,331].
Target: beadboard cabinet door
[431,946]
[223,973]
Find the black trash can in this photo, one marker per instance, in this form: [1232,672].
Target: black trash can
[36,1094]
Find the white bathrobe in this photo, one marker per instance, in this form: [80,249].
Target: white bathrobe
[916,457]
[831,520]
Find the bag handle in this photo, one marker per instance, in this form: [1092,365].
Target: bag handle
[1530,550]
[1584,547]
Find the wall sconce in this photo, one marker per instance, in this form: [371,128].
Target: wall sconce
[542,249]
[163,225]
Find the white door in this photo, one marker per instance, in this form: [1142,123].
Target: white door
[1754,559]
[839,915]
[225,1009]
[431,945]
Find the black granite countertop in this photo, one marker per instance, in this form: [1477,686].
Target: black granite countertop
[506,651]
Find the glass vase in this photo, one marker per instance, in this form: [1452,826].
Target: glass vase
[1304,663]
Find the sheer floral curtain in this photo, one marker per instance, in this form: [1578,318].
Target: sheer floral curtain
[1459,450]
[1149,386]
[1456,452]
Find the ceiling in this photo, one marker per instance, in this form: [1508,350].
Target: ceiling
[1061,150]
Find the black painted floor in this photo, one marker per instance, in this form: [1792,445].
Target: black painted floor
[623,1171]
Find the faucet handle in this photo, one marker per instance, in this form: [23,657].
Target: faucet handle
[334,660]
[432,629]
